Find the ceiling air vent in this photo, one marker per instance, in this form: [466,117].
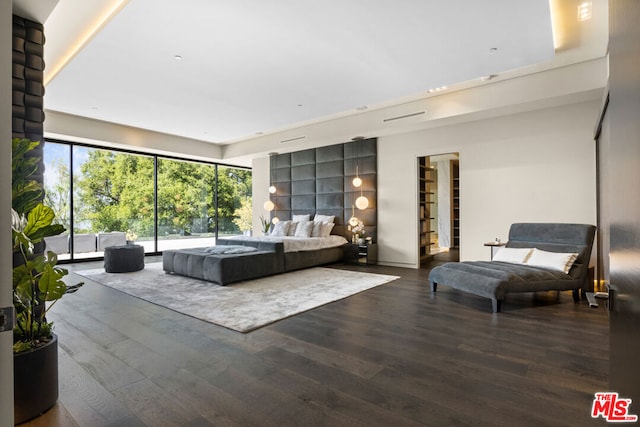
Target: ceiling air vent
[404,116]
[298,138]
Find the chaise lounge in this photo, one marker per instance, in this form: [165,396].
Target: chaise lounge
[537,257]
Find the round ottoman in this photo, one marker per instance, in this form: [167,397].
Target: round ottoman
[123,259]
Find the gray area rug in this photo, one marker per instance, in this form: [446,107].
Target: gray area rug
[242,306]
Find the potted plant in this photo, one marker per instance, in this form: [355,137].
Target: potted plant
[131,237]
[37,285]
[266,224]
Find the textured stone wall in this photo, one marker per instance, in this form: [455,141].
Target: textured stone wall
[28,88]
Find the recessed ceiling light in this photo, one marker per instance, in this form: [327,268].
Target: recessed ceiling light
[437,89]
[493,49]
[177,57]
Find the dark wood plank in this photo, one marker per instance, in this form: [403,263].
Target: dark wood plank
[392,355]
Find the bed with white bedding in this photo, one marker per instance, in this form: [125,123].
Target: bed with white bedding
[295,244]
[238,258]
[299,252]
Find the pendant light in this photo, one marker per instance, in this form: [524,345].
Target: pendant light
[269,205]
[353,221]
[361,202]
[357,182]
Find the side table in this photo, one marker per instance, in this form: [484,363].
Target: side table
[362,254]
[493,246]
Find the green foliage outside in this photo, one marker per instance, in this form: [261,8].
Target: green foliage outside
[234,187]
[244,216]
[114,192]
[57,195]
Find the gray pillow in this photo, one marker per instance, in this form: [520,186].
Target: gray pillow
[230,249]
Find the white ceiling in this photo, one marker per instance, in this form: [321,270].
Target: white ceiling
[251,67]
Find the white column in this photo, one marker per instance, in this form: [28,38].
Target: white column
[6,299]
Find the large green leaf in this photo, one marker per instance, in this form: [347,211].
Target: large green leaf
[50,284]
[49,230]
[26,197]
[25,192]
[38,218]
[20,146]
[23,295]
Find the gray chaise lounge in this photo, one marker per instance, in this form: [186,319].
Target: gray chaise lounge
[495,279]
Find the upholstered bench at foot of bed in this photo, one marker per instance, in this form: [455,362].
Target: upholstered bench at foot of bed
[494,280]
[221,269]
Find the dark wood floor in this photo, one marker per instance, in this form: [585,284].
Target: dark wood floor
[391,356]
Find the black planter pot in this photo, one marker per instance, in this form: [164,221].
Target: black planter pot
[35,380]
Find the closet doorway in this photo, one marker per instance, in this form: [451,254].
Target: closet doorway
[439,208]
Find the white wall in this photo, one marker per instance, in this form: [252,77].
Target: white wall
[260,190]
[534,166]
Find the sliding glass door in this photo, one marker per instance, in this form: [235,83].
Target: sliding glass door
[186,204]
[113,200]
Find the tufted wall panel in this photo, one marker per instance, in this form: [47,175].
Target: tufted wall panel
[27,85]
[320,181]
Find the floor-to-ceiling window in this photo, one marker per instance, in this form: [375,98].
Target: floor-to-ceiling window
[57,185]
[186,204]
[113,197]
[234,200]
[105,197]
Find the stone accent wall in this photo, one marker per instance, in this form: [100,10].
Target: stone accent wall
[28,87]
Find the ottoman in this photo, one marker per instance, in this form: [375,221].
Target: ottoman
[123,259]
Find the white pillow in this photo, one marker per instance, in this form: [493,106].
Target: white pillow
[513,255]
[293,225]
[315,231]
[301,218]
[281,228]
[552,260]
[324,218]
[304,229]
[325,229]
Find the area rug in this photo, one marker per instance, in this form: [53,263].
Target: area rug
[243,306]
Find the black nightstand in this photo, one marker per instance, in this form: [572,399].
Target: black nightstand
[361,254]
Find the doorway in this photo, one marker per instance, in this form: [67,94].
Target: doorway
[439,208]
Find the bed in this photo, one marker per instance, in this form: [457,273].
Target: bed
[238,258]
[299,252]
[537,257]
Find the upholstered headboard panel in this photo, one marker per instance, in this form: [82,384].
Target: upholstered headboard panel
[319,181]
